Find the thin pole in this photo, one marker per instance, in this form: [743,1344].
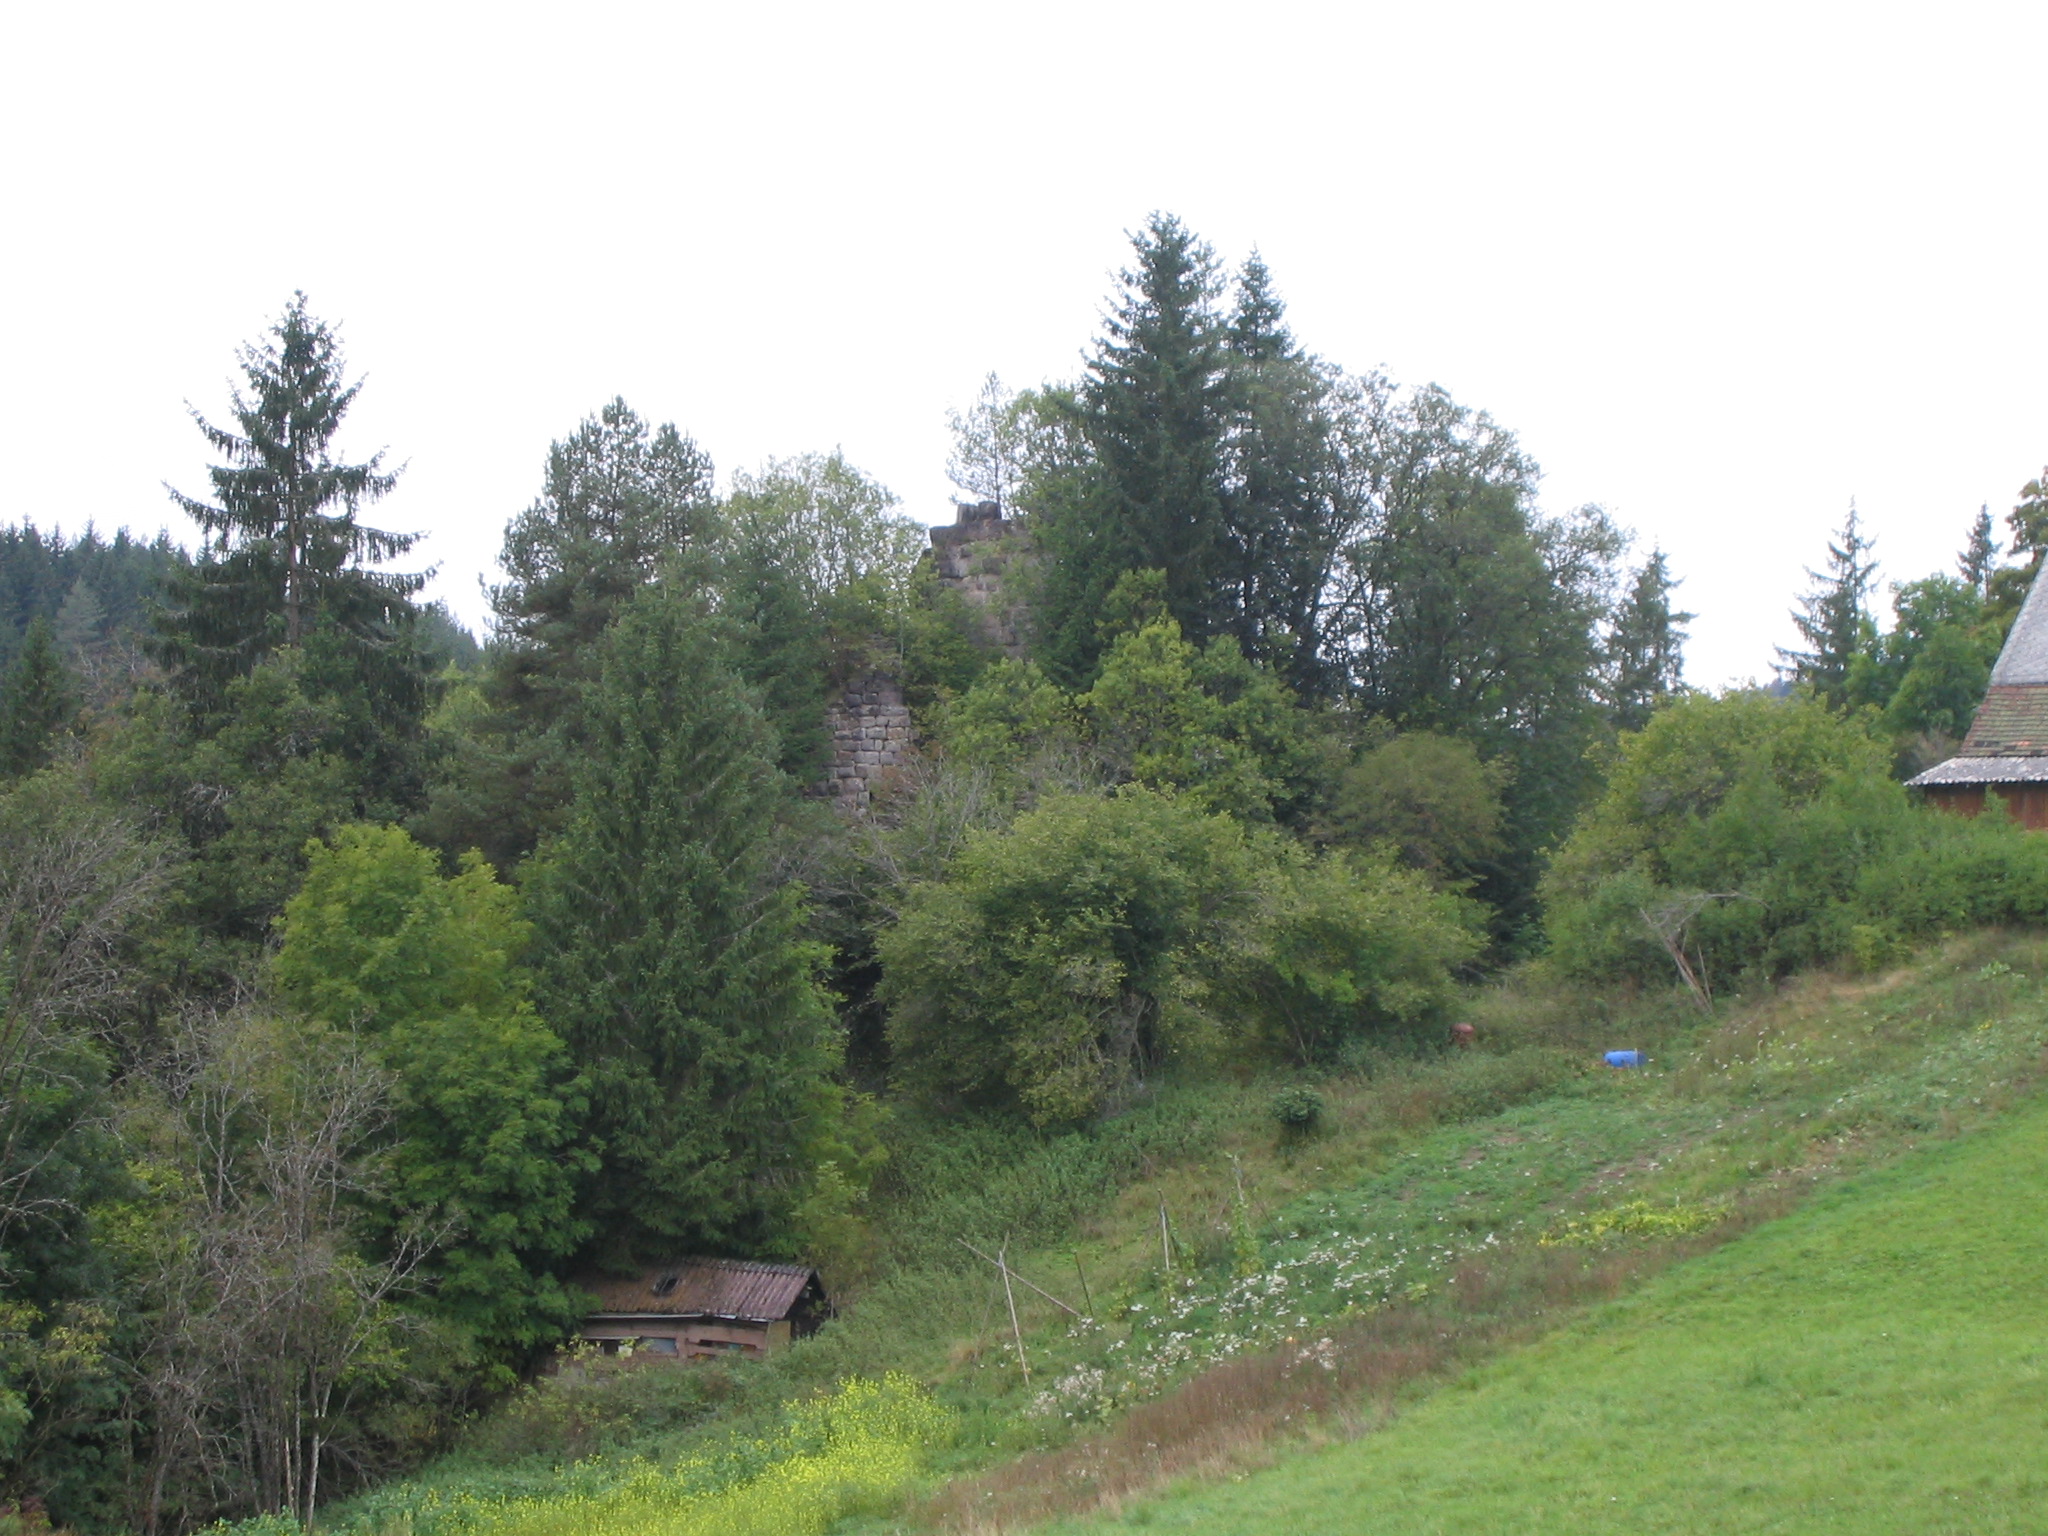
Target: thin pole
[1016,1332]
[1165,1238]
[1048,1295]
[1090,1300]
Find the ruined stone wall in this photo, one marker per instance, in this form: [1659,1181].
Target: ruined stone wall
[871,739]
[871,732]
[979,556]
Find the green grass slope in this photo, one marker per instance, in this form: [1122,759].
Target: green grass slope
[1875,1362]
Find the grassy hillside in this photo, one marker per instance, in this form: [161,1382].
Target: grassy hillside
[1447,1208]
[1877,1361]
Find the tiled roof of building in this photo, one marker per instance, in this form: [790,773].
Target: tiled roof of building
[1984,770]
[2008,740]
[728,1288]
[2011,722]
[2024,659]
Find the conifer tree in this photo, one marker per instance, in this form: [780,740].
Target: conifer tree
[36,700]
[672,960]
[1834,617]
[1644,646]
[620,500]
[1152,413]
[1280,522]
[1980,554]
[286,557]
[81,621]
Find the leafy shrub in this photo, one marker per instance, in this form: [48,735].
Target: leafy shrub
[1430,797]
[1058,961]
[1297,1109]
[1767,834]
[1347,947]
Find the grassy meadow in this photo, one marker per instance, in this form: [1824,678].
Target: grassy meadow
[1417,1259]
[1876,1361]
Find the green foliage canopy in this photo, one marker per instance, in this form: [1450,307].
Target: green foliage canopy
[671,956]
[431,970]
[1787,813]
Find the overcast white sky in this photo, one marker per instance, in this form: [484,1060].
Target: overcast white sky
[1723,267]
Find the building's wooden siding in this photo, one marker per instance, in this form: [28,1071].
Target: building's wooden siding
[2027,803]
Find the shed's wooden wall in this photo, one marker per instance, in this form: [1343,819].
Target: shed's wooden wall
[2026,803]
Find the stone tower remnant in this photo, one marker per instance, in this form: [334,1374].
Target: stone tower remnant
[973,557]
[871,738]
[871,731]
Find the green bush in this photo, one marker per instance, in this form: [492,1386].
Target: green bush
[1768,834]
[1100,937]
[1297,1109]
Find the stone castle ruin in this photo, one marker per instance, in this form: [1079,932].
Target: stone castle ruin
[871,738]
[871,731]
[972,558]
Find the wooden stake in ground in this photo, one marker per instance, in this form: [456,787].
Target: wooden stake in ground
[1017,1333]
[999,1264]
[1087,1300]
[1165,1238]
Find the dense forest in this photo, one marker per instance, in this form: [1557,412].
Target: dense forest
[362,986]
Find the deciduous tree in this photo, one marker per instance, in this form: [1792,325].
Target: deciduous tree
[429,971]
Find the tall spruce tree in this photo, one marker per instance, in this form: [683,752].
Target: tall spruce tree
[1282,517]
[1152,412]
[1645,646]
[1834,616]
[620,500]
[286,558]
[672,959]
[37,698]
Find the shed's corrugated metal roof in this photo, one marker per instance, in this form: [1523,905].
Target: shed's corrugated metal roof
[1985,770]
[2025,656]
[734,1288]
[2011,722]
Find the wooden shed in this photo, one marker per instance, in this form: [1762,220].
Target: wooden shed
[692,1308]
[2006,751]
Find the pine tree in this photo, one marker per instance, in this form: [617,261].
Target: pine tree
[672,959]
[1834,617]
[37,699]
[1152,413]
[1980,554]
[1280,523]
[81,621]
[1644,646]
[620,500]
[285,558]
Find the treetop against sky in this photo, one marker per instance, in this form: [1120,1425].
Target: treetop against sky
[1720,269]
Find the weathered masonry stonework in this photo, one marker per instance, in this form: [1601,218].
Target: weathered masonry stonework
[871,739]
[871,732]
[973,558]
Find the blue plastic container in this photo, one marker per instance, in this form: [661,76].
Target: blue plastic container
[1624,1058]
